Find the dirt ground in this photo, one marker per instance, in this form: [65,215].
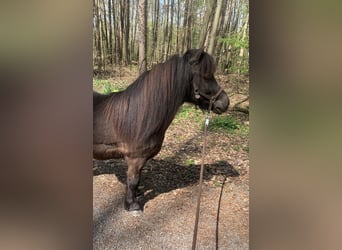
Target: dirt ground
[169,183]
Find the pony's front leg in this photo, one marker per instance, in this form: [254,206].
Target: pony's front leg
[133,177]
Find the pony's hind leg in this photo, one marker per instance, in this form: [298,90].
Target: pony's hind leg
[133,177]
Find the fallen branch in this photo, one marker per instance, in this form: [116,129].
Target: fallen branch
[238,108]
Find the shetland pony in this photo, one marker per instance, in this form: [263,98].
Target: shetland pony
[131,124]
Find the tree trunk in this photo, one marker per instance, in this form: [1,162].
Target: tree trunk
[166,28]
[122,31]
[105,30]
[118,44]
[155,31]
[110,32]
[99,39]
[243,37]
[169,44]
[142,9]
[185,25]
[189,26]
[134,33]
[207,19]
[178,31]
[213,32]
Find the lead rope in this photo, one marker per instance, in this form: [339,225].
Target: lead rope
[206,124]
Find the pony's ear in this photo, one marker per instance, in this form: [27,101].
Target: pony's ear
[196,57]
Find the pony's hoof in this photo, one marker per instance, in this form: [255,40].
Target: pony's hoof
[136,213]
[131,207]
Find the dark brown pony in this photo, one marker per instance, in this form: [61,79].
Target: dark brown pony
[131,124]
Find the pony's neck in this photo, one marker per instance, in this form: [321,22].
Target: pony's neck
[164,90]
[148,106]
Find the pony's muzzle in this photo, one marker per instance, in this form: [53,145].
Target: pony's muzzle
[221,104]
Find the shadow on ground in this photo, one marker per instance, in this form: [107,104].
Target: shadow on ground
[160,176]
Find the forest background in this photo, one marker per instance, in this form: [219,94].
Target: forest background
[147,32]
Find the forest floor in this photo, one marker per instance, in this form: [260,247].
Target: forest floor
[169,183]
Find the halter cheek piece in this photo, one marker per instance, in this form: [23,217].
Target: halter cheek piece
[211,99]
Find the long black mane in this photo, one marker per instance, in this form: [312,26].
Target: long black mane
[150,103]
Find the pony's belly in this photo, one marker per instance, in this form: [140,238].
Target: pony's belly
[107,151]
[103,151]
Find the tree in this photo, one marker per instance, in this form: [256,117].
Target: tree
[155,31]
[214,28]
[110,32]
[207,19]
[187,26]
[142,14]
[99,48]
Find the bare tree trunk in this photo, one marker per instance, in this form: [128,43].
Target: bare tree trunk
[105,30]
[243,37]
[178,31]
[185,25]
[207,19]
[118,43]
[155,31]
[169,44]
[99,39]
[213,32]
[142,9]
[122,31]
[234,18]
[125,31]
[166,28]
[134,31]
[189,26]
[110,32]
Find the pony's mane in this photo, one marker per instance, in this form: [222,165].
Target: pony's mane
[150,103]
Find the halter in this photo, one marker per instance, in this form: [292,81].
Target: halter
[211,99]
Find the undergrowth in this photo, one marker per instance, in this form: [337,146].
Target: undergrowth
[218,123]
[188,112]
[106,86]
[228,123]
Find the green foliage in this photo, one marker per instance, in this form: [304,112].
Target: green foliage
[243,130]
[236,63]
[189,162]
[184,111]
[188,112]
[236,41]
[219,123]
[106,86]
[100,82]
[245,148]
[218,184]
[228,123]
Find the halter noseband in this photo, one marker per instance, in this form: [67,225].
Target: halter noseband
[211,99]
